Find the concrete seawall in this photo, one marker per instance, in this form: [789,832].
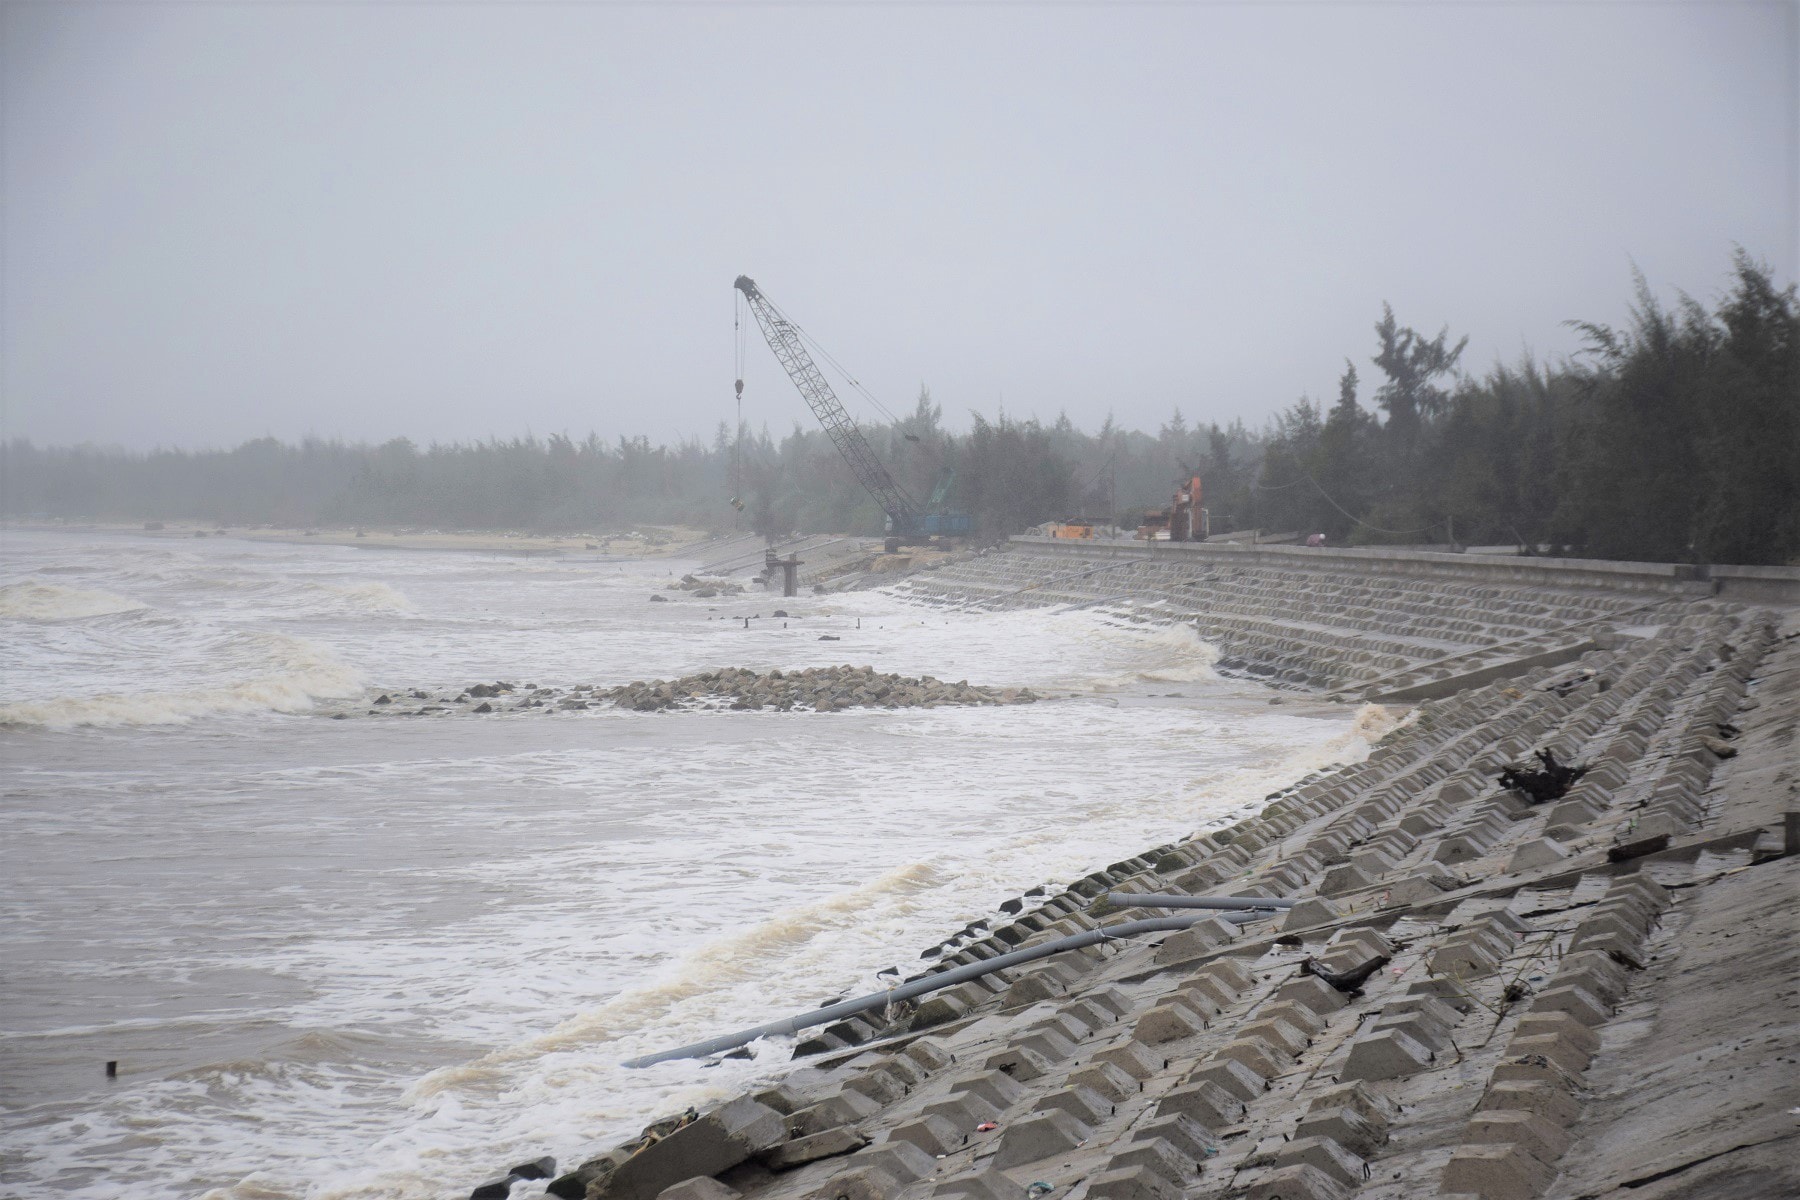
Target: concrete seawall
[1472,994]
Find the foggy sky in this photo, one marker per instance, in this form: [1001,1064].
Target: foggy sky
[453,222]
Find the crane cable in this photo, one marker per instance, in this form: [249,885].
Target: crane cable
[813,345]
[737,440]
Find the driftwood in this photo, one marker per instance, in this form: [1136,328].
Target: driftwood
[1541,787]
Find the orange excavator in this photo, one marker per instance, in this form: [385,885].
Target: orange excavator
[1183,521]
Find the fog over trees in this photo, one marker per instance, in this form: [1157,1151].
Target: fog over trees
[1676,438]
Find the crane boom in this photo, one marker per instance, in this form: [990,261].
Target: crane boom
[902,510]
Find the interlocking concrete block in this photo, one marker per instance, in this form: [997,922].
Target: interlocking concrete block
[801,1151]
[929,1054]
[1564,1053]
[1304,1019]
[1385,1055]
[996,1087]
[1347,1127]
[1554,1103]
[1533,1068]
[1575,1000]
[1309,991]
[1309,913]
[1367,943]
[1131,1183]
[1112,1000]
[703,1187]
[1535,854]
[829,1112]
[1159,1156]
[1108,1080]
[1030,989]
[1460,848]
[1196,941]
[986,1184]
[933,1134]
[1049,1045]
[1326,1155]
[1254,1052]
[1342,880]
[1298,1181]
[1367,1103]
[1169,1021]
[1204,1102]
[877,1085]
[1066,1024]
[1228,973]
[717,1141]
[965,1110]
[1134,1058]
[1464,958]
[1184,1133]
[1545,1140]
[1083,1103]
[903,1160]
[937,1009]
[1205,995]
[1422,1027]
[859,1183]
[783,1098]
[1596,971]
[1039,1136]
[1558,1024]
[1232,1076]
[1094,1016]
[1018,1062]
[1500,1171]
[1287,1038]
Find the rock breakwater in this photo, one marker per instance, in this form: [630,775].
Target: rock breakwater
[815,689]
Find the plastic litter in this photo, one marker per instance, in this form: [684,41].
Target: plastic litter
[986,1127]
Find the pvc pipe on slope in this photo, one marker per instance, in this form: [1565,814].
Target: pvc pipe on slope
[1157,900]
[918,987]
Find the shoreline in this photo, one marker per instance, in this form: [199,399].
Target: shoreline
[655,542]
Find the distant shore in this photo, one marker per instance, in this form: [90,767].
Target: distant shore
[643,541]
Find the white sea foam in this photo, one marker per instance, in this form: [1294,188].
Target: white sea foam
[32,601]
[289,676]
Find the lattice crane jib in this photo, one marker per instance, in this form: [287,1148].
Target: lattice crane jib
[790,352]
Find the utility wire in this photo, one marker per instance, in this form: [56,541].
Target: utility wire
[1306,477]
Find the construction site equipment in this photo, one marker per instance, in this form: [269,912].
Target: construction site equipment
[907,519]
[1183,521]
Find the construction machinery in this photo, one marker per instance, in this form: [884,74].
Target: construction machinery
[1183,521]
[908,521]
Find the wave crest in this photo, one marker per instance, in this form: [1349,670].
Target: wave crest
[303,673]
[32,601]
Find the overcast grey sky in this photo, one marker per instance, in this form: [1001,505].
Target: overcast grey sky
[449,222]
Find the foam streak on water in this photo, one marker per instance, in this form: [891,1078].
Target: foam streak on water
[385,956]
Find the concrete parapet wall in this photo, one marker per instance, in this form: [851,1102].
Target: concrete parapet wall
[1669,579]
[1758,585]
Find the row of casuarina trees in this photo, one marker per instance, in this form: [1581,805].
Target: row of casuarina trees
[1675,438]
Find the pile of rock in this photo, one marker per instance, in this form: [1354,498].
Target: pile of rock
[705,588]
[818,689]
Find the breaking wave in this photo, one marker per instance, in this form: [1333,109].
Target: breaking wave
[294,674]
[53,602]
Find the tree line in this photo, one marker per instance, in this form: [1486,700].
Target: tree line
[1675,438]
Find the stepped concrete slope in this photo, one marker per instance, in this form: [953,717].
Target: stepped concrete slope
[1472,995]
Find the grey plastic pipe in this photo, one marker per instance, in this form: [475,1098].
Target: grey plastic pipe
[918,987]
[1157,900]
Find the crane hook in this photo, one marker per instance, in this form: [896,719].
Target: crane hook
[740,388]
